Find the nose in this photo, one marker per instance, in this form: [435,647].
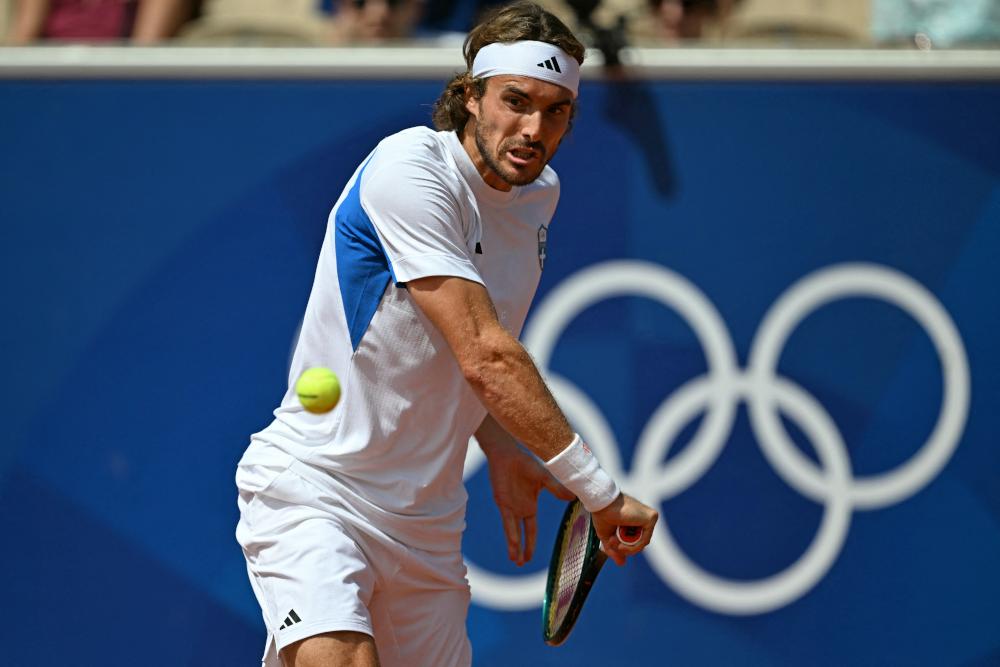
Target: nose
[531,126]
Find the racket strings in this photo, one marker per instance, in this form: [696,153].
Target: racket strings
[574,554]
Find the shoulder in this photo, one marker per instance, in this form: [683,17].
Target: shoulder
[417,154]
[412,144]
[549,180]
[410,167]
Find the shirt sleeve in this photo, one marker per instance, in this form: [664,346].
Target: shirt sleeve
[418,219]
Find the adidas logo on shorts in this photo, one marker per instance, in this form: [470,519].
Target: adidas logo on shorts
[290,620]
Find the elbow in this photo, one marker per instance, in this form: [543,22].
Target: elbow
[478,370]
[486,362]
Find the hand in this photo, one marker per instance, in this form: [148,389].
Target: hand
[624,511]
[517,478]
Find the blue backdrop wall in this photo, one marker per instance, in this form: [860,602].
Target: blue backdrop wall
[780,306]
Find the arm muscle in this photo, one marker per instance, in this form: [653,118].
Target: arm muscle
[499,369]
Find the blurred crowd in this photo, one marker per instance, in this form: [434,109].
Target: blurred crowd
[608,24]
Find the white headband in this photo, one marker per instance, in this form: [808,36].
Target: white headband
[539,60]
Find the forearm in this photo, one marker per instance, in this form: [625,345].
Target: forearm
[507,382]
[493,439]
[511,388]
[494,363]
[28,21]
[566,457]
[157,20]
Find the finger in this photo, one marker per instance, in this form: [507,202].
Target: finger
[620,552]
[631,548]
[647,532]
[647,535]
[629,536]
[512,530]
[607,530]
[530,533]
[644,538]
[615,554]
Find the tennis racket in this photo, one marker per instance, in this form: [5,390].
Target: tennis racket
[576,560]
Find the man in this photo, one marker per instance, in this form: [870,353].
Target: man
[373,21]
[351,521]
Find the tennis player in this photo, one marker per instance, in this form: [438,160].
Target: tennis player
[351,521]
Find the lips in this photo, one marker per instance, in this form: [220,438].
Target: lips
[522,156]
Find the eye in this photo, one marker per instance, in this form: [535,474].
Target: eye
[515,102]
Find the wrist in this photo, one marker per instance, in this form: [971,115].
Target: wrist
[578,470]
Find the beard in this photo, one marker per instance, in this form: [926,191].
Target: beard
[507,173]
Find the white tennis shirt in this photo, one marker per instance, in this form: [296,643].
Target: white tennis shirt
[392,451]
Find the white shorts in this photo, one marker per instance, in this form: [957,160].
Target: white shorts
[316,567]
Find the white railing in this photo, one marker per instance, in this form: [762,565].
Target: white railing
[414,62]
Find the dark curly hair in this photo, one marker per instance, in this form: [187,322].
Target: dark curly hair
[515,22]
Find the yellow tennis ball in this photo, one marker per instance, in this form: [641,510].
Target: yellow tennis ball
[318,390]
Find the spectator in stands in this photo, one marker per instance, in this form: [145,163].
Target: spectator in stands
[366,21]
[679,20]
[138,21]
[259,23]
[304,22]
[799,22]
[641,22]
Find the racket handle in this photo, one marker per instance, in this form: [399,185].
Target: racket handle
[629,535]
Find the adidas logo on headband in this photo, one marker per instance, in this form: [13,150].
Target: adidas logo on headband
[538,60]
[551,63]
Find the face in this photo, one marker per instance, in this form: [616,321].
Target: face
[375,20]
[670,14]
[515,128]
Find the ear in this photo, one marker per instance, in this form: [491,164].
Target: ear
[471,101]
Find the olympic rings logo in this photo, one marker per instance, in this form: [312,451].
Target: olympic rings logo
[718,394]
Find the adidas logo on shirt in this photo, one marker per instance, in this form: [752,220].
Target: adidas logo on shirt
[551,63]
[290,620]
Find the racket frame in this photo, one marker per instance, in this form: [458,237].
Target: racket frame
[593,560]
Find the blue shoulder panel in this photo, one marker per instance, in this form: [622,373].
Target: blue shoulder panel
[362,265]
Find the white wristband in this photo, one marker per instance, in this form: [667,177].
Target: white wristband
[577,469]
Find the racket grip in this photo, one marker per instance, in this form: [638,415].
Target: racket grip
[629,535]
